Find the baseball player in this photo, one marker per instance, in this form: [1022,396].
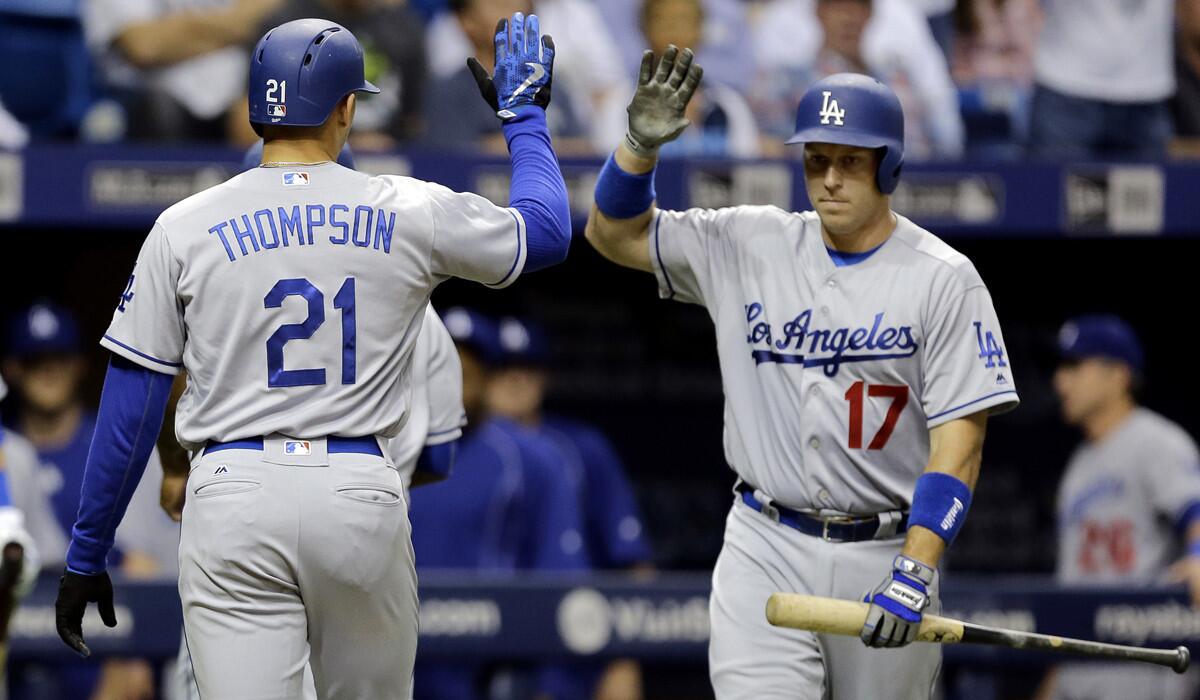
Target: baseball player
[18,555]
[613,535]
[860,357]
[509,506]
[292,295]
[1129,501]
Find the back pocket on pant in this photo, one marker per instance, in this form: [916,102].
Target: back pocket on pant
[375,494]
[225,487]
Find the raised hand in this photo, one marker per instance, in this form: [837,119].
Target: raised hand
[656,112]
[524,67]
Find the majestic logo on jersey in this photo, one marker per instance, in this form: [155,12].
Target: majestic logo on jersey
[297,447]
[989,350]
[126,296]
[830,110]
[826,348]
[295,179]
[221,469]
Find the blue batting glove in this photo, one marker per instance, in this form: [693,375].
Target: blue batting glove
[897,604]
[524,67]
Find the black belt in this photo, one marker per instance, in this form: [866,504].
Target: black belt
[836,529]
[334,445]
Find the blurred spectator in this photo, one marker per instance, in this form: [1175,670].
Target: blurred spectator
[508,506]
[587,73]
[1104,76]
[722,122]
[801,41]
[1129,501]
[180,65]
[725,50]
[992,64]
[1185,105]
[612,526]
[46,366]
[393,41]
[940,14]
[45,70]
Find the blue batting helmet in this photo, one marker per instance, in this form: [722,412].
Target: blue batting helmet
[300,70]
[1100,335]
[855,110]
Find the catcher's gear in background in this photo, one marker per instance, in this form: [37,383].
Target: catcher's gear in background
[656,112]
[300,70]
[75,591]
[522,76]
[897,604]
[855,110]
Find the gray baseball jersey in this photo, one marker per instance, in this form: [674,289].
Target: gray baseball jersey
[834,375]
[1120,500]
[293,296]
[436,414]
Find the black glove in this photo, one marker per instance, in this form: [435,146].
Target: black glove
[75,591]
[524,67]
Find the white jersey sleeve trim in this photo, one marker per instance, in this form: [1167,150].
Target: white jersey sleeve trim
[140,358]
[666,290]
[1001,401]
[440,437]
[518,265]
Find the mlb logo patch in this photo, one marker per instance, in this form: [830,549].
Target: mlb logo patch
[276,110]
[297,447]
[295,179]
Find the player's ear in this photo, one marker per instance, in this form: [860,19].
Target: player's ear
[346,109]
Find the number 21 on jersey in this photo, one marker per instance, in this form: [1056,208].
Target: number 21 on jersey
[277,376]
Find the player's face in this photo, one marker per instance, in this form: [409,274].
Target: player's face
[517,392]
[841,186]
[1087,387]
[49,383]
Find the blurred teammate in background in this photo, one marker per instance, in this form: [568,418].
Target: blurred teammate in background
[18,575]
[47,368]
[1128,503]
[510,505]
[612,526]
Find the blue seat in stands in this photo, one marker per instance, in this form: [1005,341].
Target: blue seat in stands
[45,71]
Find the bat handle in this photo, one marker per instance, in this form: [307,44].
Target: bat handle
[1183,657]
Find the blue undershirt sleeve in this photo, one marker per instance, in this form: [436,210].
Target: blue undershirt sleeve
[437,461]
[131,413]
[538,190]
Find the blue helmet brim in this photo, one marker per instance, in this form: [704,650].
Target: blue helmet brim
[368,86]
[842,137]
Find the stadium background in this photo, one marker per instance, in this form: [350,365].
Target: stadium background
[1052,239]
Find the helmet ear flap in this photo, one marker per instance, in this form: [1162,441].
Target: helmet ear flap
[888,175]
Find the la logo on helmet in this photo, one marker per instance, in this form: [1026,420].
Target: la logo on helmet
[830,110]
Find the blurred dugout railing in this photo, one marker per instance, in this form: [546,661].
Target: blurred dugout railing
[657,618]
[127,186]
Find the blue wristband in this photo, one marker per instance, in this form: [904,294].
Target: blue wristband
[622,195]
[940,504]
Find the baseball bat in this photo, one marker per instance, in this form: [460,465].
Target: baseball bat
[846,617]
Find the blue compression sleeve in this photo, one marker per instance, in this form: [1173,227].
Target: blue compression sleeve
[438,460]
[5,496]
[538,190]
[131,414]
